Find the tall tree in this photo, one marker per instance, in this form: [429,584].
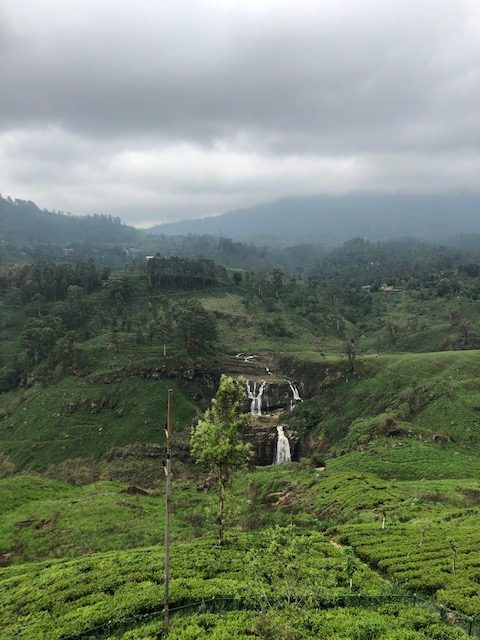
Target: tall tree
[216,441]
[350,350]
[39,338]
[196,326]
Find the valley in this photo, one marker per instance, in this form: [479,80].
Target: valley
[366,398]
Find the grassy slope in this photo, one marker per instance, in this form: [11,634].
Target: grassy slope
[423,325]
[241,330]
[433,398]
[48,519]
[57,420]
[48,425]
[40,430]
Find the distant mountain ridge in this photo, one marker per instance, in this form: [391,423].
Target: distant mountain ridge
[30,233]
[329,220]
[22,221]
[335,219]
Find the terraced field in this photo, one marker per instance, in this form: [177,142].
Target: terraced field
[438,558]
[262,574]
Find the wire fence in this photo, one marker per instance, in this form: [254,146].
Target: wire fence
[469,624]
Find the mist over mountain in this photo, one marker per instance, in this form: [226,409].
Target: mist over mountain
[333,219]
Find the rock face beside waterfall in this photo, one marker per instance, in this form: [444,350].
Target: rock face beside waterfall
[264,438]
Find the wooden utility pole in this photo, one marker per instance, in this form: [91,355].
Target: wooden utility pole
[168,494]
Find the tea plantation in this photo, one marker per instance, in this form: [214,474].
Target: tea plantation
[287,546]
[262,574]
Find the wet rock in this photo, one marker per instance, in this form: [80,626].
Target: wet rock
[23,524]
[6,557]
[134,491]
[396,432]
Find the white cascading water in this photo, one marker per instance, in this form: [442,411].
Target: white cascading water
[283,448]
[256,397]
[296,396]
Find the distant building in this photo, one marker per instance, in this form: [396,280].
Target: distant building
[388,288]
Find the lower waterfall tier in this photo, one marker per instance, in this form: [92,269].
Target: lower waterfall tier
[264,440]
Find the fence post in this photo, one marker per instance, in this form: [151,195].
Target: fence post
[168,493]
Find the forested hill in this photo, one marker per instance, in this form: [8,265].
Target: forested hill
[335,219]
[29,233]
[23,222]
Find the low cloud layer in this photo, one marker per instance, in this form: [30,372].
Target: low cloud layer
[161,111]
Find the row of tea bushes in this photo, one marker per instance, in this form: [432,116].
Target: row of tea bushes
[441,559]
[399,622]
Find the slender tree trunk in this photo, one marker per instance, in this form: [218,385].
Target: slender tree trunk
[221,510]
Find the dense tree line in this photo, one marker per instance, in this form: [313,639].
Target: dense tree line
[361,262]
[183,273]
[437,270]
[49,281]
[60,306]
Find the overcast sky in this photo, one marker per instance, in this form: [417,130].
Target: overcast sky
[158,110]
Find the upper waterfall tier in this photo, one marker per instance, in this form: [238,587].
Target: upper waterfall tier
[265,397]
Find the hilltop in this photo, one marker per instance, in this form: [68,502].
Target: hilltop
[29,233]
[22,221]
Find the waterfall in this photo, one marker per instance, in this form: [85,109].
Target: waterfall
[283,448]
[296,396]
[256,397]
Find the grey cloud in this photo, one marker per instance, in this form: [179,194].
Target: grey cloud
[308,83]
[177,100]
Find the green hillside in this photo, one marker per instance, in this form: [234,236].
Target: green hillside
[72,605]
[407,417]
[371,532]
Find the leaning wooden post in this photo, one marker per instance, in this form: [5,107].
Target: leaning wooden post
[168,494]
